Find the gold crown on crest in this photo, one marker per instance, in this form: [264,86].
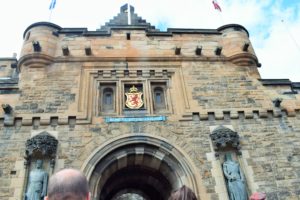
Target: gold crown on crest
[133,89]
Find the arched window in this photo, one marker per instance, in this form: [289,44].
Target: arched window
[107,97]
[159,98]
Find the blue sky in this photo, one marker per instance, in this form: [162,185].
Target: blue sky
[276,43]
[288,3]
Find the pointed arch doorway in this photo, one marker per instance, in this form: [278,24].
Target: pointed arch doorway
[142,167]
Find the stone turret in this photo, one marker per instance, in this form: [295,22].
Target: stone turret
[237,46]
[40,44]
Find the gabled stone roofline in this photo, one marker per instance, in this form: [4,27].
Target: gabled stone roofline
[149,32]
[129,20]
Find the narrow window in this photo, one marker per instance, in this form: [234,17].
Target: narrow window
[128,36]
[107,99]
[158,94]
[159,100]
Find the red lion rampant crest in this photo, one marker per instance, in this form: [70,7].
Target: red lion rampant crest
[134,98]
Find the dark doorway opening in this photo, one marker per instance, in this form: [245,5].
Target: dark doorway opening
[136,182]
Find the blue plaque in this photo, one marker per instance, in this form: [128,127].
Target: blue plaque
[135,119]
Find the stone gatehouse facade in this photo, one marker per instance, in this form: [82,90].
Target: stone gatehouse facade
[143,112]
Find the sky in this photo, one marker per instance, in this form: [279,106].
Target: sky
[274,25]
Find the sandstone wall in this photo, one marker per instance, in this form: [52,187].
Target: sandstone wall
[59,94]
[270,152]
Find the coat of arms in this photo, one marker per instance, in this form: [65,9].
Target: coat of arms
[134,98]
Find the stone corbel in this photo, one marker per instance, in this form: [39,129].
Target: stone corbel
[8,115]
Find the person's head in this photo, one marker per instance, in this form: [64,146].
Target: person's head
[68,184]
[183,193]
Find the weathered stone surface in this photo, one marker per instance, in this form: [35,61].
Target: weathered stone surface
[61,95]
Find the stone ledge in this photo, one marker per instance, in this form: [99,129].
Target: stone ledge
[246,114]
[209,115]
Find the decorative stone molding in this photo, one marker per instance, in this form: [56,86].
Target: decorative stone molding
[223,137]
[43,143]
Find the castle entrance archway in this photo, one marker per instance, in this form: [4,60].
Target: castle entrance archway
[141,167]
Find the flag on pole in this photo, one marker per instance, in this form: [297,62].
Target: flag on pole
[216,5]
[52,4]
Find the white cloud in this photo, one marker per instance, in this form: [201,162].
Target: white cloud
[280,52]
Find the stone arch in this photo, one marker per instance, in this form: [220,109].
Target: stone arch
[138,156]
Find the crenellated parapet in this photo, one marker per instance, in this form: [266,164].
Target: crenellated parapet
[45,43]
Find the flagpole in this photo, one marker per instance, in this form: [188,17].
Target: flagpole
[290,34]
[221,17]
[51,7]
[217,7]
[50,15]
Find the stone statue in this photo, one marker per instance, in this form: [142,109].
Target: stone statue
[37,184]
[235,179]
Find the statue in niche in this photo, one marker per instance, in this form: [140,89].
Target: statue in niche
[234,179]
[37,183]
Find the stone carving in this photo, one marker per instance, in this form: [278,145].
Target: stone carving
[223,137]
[43,143]
[234,179]
[277,102]
[37,183]
[7,108]
[134,98]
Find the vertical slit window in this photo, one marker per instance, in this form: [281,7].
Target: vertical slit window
[159,98]
[107,99]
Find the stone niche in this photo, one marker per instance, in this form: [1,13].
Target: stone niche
[226,143]
[40,147]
